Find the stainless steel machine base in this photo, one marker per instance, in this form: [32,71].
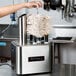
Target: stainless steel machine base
[30,59]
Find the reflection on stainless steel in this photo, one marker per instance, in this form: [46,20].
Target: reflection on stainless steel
[59,71]
[69,10]
[22,29]
[64,70]
[34,57]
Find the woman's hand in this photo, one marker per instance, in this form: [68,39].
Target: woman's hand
[34,4]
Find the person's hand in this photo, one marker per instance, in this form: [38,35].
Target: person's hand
[34,4]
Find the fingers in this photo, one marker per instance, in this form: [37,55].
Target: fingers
[36,4]
[39,4]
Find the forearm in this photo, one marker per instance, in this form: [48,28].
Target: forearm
[11,9]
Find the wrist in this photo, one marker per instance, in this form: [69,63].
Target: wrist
[26,5]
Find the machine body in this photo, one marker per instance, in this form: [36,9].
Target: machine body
[31,59]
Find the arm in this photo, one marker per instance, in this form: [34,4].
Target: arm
[13,8]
